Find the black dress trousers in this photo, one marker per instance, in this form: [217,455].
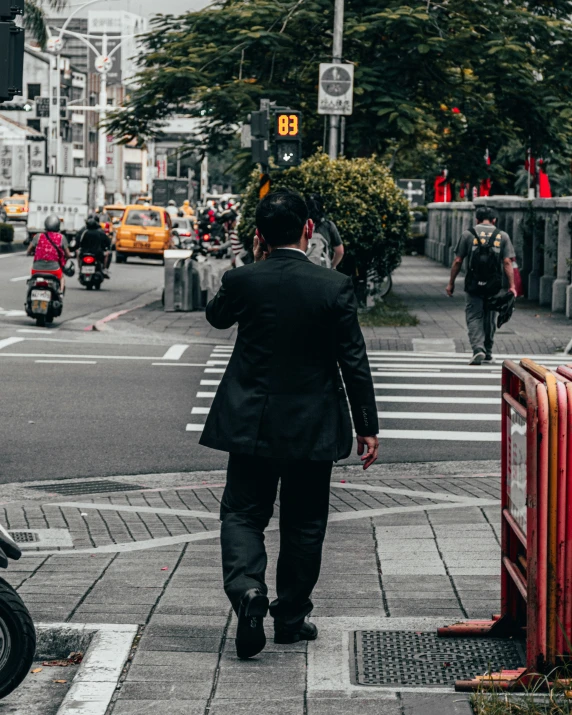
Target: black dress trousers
[246,508]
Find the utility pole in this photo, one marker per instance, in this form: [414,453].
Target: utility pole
[102,143]
[336,58]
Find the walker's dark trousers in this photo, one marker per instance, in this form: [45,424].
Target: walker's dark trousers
[246,508]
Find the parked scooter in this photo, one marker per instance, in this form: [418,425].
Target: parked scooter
[17,632]
[44,302]
[90,273]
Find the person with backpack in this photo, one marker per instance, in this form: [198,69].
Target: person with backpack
[488,252]
[325,247]
[50,250]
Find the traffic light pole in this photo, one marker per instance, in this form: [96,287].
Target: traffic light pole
[333,146]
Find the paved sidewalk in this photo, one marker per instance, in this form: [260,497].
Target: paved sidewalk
[409,548]
[420,283]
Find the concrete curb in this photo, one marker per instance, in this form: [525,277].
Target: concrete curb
[96,680]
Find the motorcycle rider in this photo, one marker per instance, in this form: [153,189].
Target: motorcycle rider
[93,239]
[187,209]
[50,250]
[172,209]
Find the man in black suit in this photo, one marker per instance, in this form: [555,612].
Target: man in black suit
[281,412]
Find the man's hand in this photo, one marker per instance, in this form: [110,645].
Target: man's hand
[259,254]
[450,289]
[372,444]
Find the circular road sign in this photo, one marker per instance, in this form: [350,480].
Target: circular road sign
[103,64]
[336,81]
[55,45]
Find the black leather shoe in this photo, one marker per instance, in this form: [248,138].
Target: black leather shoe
[306,632]
[250,637]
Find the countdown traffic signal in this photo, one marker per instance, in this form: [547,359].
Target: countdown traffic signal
[288,137]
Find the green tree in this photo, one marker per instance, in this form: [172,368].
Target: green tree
[362,199]
[440,81]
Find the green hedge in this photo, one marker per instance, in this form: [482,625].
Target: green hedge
[361,197]
[6,232]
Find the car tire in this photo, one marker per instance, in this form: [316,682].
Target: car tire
[17,639]
[120,257]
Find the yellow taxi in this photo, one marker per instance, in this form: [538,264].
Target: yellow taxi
[144,231]
[16,207]
[114,212]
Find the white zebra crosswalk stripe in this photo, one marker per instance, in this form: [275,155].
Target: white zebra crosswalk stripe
[458,396]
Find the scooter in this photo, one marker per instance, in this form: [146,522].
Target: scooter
[90,272]
[44,302]
[17,632]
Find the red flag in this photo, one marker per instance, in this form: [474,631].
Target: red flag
[544,190]
[442,189]
[485,187]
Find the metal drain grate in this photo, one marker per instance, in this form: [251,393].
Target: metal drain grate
[91,487]
[413,658]
[24,537]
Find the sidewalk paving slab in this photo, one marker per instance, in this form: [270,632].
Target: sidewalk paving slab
[372,577]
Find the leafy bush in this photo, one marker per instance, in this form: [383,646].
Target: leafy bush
[371,213]
[6,232]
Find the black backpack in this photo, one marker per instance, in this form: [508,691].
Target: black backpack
[484,274]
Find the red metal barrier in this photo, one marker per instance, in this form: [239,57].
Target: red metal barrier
[525,557]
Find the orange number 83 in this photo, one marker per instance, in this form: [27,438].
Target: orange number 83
[288,125]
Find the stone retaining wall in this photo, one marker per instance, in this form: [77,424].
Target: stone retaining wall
[540,230]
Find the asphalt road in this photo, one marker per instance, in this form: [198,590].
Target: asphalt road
[127,283]
[78,405]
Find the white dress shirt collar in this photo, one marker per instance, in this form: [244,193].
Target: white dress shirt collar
[289,248]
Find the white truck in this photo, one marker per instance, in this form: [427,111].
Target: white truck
[61,194]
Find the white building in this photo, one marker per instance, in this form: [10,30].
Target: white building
[22,150]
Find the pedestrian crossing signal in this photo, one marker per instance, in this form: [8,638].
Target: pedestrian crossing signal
[288,137]
[288,153]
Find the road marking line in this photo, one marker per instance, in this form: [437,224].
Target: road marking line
[412,399]
[9,341]
[458,416]
[212,363]
[179,364]
[436,366]
[200,410]
[175,352]
[194,428]
[19,278]
[68,362]
[215,369]
[212,394]
[57,355]
[211,383]
[449,388]
[441,435]
[491,376]
[42,330]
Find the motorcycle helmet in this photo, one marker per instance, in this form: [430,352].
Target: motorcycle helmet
[69,269]
[92,221]
[52,223]
[172,202]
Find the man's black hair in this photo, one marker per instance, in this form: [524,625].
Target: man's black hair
[281,216]
[484,213]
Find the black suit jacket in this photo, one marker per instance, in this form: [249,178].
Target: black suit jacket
[282,394]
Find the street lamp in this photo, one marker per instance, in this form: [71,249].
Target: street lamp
[103,64]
